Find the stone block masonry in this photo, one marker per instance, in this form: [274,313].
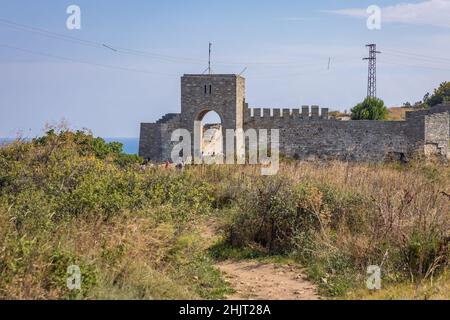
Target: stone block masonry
[305,133]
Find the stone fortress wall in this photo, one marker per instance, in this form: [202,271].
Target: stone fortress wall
[306,133]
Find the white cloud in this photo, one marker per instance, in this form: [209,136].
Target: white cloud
[432,12]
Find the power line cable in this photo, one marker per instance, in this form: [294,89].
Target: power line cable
[90,43]
[396,63]
[429,60]
[168,58]
[317,68]
[141,53]
[405,53]
[173,59]
[84,62]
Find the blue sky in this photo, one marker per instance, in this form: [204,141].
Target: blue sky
[284,44]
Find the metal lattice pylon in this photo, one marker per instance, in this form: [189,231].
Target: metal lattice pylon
[372,76]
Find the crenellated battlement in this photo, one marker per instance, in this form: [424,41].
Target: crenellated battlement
[271,114]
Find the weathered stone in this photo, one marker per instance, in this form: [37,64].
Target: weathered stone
[315,112]
[305,112]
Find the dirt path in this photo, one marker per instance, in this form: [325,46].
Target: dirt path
[260,281]
[254,280]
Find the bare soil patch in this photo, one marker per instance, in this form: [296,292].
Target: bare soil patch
[254,280]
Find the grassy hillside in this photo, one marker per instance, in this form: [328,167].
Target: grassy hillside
[136,232]
[398,113]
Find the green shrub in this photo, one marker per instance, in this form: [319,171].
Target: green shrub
[370,109]
[55,184]
[278,215]
[183,192]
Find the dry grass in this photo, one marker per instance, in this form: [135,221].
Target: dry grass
[430,289]
[388,215]
[398,113]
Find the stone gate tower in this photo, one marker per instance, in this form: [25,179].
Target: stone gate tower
[200,94]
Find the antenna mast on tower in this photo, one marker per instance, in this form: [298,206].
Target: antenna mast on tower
[372,76]
[209,70]
[209,58]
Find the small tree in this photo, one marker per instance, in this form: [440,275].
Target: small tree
[440,95]
[370,109]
